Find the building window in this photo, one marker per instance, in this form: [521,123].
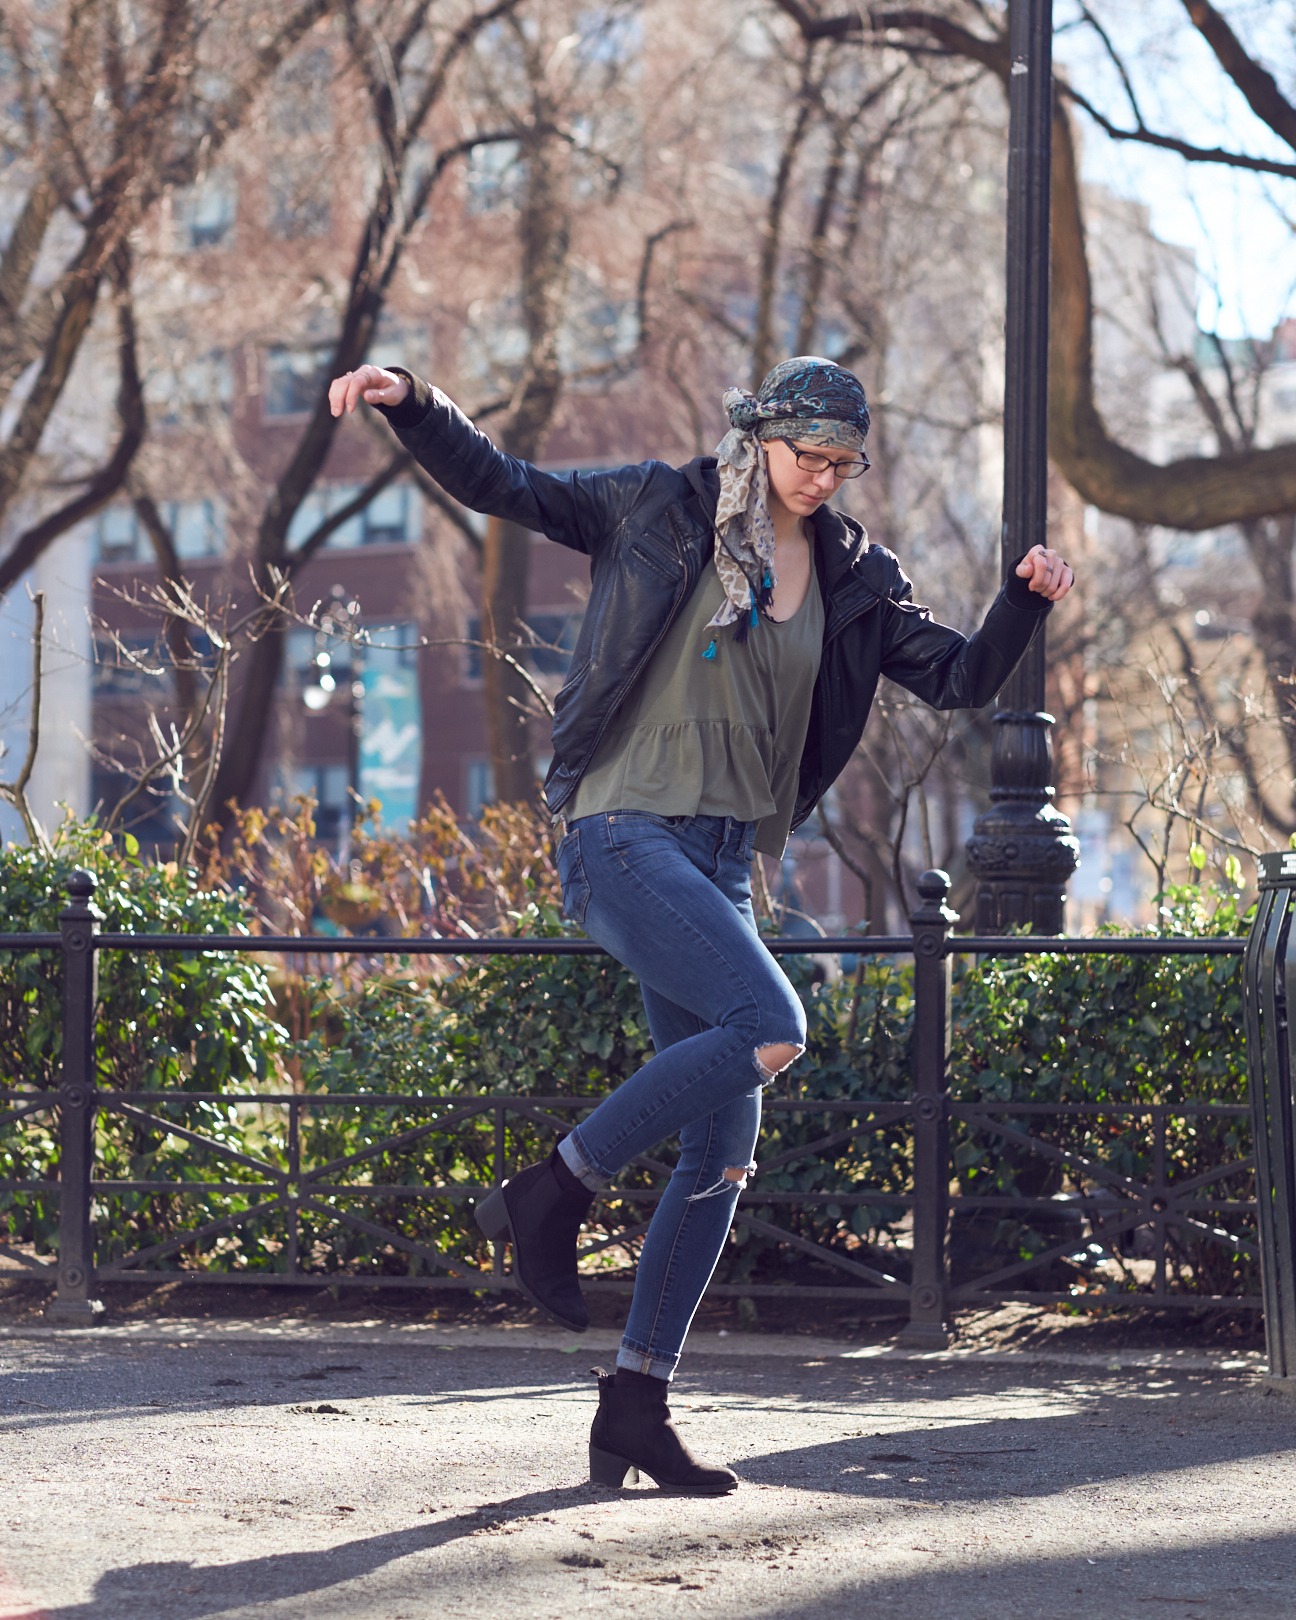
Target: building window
[386,518]
[330,787]
[135,666]
[308,517]
[295,379]
[495,345]
[494,177]
[127,667]
[480,787]
[603,333]
[299,205]
[154,818]
[302,100]
[391,518]
[205,213]
[400,343]
[183,387]
[555,638]
[197,531]
[197,528]
[117,535]
[392,646]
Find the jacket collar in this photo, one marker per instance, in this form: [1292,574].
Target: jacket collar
[703,476]
[840,542]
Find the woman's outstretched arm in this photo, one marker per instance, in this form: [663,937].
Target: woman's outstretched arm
[952,671]
[580,510]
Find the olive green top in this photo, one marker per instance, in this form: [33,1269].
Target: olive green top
[718,736]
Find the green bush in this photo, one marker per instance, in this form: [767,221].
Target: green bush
[1136,1038]
[197,1023]
[535,1027]
[555,1033]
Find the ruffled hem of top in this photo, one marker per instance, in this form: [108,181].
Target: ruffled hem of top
[691,768]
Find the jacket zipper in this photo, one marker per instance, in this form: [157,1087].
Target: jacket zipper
[848,616]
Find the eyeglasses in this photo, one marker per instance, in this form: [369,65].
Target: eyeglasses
[812,462]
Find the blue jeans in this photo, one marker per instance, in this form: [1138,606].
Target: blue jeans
[670,897]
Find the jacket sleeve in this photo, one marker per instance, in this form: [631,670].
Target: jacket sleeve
[949,670]
[580,509]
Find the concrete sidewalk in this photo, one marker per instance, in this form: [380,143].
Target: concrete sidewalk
[170,1471]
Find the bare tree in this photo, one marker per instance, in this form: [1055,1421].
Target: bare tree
[106,109]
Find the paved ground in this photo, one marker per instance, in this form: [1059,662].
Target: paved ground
[171,1471]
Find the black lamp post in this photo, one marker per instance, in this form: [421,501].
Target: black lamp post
[1021,850]
[319,692]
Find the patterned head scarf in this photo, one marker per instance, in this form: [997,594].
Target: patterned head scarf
[810,399]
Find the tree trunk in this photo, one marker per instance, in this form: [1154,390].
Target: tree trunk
[506,554]
[258,691]
[1273,624]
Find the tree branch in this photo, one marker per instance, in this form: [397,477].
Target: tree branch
[1142,136]
[105,483]
[318,537]
[1192,493]
[1259,86]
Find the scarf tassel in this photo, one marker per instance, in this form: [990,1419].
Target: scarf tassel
[747,625]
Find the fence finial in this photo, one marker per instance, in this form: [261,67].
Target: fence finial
[81,886]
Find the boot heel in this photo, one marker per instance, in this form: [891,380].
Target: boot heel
[491,1214]
[607,1469]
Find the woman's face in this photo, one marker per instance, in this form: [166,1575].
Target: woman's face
[792,487]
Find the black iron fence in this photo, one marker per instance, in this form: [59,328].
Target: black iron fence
[1111,1207]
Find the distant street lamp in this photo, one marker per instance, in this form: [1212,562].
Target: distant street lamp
[321,690]
[1021,850]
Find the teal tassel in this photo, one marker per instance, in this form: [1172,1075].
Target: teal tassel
[768,581]
[755,616]
[710,652]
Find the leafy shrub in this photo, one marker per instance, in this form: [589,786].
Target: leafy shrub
[164,1021]
[387,1187]
[1136,1039]
[541,1028]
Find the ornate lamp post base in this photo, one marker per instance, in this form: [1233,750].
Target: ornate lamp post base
[1023,853]
[1022,850]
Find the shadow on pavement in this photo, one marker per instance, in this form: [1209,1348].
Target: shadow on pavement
[199,1589]
[1248,1578]
[1184,1424]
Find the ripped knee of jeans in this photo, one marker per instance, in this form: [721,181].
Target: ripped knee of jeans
[771,1060]
[733,1180]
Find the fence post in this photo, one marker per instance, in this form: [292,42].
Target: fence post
[1269,991]
[929,1316]
[74,1304]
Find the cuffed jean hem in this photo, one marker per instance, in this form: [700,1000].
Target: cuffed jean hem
[589,1175]
[633,1359]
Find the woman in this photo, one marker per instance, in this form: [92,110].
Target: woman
[734,637]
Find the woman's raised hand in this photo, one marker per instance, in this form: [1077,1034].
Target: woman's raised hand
[370,383]
[1045,572]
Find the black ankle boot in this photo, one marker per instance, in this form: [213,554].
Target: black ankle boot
[633,1431]
[540,1213]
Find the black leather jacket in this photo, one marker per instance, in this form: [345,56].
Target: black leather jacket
[647,531]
